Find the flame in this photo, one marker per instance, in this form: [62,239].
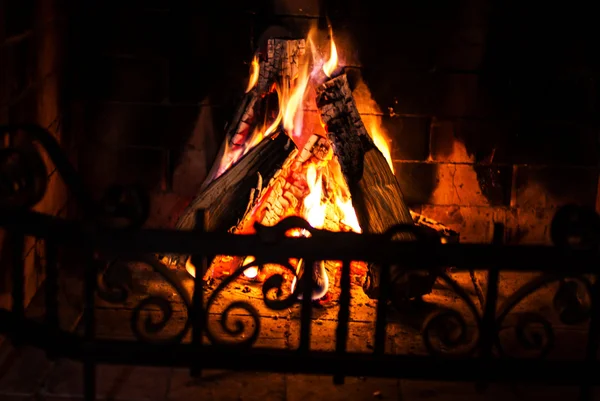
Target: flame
[381,142]
[252,271]
[348,214]
[314,209]
[255,68]
[292,106]
[189,266]
[331,64]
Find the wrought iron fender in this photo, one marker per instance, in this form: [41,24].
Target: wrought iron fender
[115,285]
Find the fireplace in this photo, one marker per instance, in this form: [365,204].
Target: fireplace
[476,126]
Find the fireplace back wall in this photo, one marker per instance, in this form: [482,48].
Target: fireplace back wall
[491,111]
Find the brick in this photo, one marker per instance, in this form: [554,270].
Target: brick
[454,184]
[307,387]
[130,125]
[488,140]
[197,62]
[135,31]
[410,137]
[402,92]
[552,95]
[550,187]
[129,79]
[556,142]
[445,145]
[407,137]
[475,224]
[495,183]
[103,166]
[226,385]
[417,180]
[529,225]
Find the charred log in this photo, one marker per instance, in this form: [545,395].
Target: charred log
[376,194]
[227,198]
[279,59]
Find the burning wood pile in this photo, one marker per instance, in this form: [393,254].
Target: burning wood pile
[274,163]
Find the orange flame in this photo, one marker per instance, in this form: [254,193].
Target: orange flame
[331,64]
[292,106]
[381,142]
[255,68]
[314,209]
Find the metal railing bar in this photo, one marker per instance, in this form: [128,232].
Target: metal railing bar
[488,324]
[593,341]
[329,246]
[307,283]
[17,246]
[341,332]
[197,310]
[382,307]
[89,323]
[51,288]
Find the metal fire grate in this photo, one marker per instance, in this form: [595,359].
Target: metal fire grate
[114,232]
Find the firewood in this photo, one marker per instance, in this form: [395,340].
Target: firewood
[227,198]
[281,59]
[376,194]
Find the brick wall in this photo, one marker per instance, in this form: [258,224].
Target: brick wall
[31,65]
[491,111]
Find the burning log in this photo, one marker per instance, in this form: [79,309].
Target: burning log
[279,60]
[227,199]
[376,194]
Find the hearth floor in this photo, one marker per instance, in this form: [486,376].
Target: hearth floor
[26,374]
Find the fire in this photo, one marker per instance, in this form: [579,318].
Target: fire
[311,185]
[331,64]
[255,68]
[314,208]
[291,106]
[381,141]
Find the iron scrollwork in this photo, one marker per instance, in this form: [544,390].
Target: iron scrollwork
[23,183]
[273,291]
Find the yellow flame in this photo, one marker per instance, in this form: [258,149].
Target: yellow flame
[331,64]
[314,209]
[381,142]
[252,271]
[255,68]
[189,266]
[293,104]
[348,214]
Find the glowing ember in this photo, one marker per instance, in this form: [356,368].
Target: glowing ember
[252,271]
